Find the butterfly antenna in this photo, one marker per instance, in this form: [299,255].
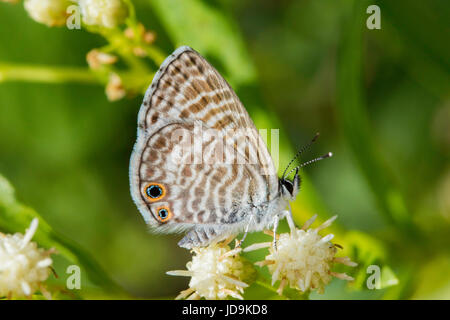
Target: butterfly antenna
[299,152]
[328,155]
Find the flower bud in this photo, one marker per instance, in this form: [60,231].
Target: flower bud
[49,12]
[103,13]
[23,266]
[95,58]
[115,89]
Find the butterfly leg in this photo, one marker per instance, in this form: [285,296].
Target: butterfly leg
[290,218]
[275,227]
[238,245]
[227,241]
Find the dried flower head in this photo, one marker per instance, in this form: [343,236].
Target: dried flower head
[139,52]
[216,272]
[140,33]
[115,89]
[149,37]
[303,259]
[23,266]
[103,13]
[49,12]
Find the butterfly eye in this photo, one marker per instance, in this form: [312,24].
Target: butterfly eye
[155,191]
[164,214]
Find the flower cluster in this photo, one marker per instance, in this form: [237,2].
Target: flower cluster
[301,259]
[23,266]
[102,13]
[115,89]
[216,272]
[128,41]
[49,12]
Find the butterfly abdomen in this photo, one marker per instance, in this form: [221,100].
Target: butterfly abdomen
[201,236]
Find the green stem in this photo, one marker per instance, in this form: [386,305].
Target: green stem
[47,74]
[265,285]
[288,294]
[131,11]
[154,53]
[137,81]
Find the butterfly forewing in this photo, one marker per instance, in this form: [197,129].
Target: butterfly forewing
[187,87]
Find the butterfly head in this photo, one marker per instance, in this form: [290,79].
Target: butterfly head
[290,189]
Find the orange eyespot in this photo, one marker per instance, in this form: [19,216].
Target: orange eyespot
[163,214]
[154,191]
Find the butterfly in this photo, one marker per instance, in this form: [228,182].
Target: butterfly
[217,186]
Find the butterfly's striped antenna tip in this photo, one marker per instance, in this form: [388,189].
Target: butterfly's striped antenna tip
[315,137]
[299,152]
[327,155]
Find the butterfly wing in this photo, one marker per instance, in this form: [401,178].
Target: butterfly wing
[211,197]
[187,87]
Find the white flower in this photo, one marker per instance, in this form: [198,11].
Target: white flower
[49,12]
[216,272]
[303,259]
[23,266]
[103,13]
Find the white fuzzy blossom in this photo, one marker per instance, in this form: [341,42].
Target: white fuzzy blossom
[216,272]
[303,259]
[49,12]
[23,266]
[103,13]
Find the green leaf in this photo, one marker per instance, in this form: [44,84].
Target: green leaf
[15,217]
[433,279]
[388,277]
[356,125]
[367,251]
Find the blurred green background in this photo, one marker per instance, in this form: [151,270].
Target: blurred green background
[379,98]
